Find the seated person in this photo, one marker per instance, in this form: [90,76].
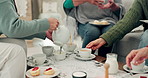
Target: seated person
[131,20]
[12,56]
[85,11]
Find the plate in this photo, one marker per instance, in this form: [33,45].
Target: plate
[31,63]
[138,75]
[57,72]
[146,21]
[92,56]
[99,24]
[145,70]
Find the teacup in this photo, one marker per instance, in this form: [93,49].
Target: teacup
[79,74]
[60,55]
[39,59]
[69,47]
[137,67]
[84,52]
[48,50]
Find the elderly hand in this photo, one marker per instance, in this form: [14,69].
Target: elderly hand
[53,23]
[49,34]
[96,44]
[137,56]
[96,2]
[111,4]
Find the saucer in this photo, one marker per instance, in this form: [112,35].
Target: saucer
[31,63]
[145,70]
[57,72]
[138,75]
[92,56]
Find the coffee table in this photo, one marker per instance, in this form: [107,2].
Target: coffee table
[102,60]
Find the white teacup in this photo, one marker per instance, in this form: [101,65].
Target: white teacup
[48,50]
[84,52]
[39,58]
[79,74]
[69,47]
[137,67]
[59,55]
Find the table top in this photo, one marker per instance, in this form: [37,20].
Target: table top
[102,60]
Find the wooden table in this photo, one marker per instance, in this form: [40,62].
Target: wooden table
[102,60]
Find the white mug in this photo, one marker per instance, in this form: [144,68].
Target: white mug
[59,55]
[39,58]
[84,52]
[137,67]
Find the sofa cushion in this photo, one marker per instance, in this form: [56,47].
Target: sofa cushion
[125,45]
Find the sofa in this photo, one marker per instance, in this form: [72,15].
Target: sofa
[122,47]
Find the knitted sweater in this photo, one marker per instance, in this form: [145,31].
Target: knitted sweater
[13,27]
[138,11]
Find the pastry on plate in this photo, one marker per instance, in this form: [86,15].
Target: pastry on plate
[35,71]
[96,22]
[104,22]
[49,71]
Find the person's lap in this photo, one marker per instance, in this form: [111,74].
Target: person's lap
[12,61]
[144,41]
[90,32]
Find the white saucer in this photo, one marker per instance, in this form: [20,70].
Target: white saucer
[31,63]
[41,73]
[146,21]
[145,70]
[92,56]
[138,75]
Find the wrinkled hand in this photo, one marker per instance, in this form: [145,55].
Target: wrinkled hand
[137,56]
[53,23]
[96,44]
[96,2]
[49,34]
[111,4]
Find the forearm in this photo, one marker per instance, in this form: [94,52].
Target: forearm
[41,35]
[129,22]
[78,2]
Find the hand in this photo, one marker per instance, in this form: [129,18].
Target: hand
[137,56]
[53,23]
[96,2]
[49,34]
[96,44]
[111,4]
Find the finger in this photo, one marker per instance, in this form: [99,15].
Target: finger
[89,45]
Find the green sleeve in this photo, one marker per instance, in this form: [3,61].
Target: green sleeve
[124,26]
[14,27]
[68,4]
[41,35]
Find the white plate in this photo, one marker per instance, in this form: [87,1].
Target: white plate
[99,24]
[31,63]
[146,21]
[92,56]
[138,75]
[41,73]
[145,70]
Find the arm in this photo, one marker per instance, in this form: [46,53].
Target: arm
[117,32]
[14,27]
[129,22]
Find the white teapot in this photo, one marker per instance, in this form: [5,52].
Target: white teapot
[61,35]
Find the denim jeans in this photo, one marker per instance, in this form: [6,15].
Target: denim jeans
[90,32]
[144,42]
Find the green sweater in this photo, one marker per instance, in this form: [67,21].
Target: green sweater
[13,27]
[138,11]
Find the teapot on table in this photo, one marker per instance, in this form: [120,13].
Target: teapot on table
[61,35]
